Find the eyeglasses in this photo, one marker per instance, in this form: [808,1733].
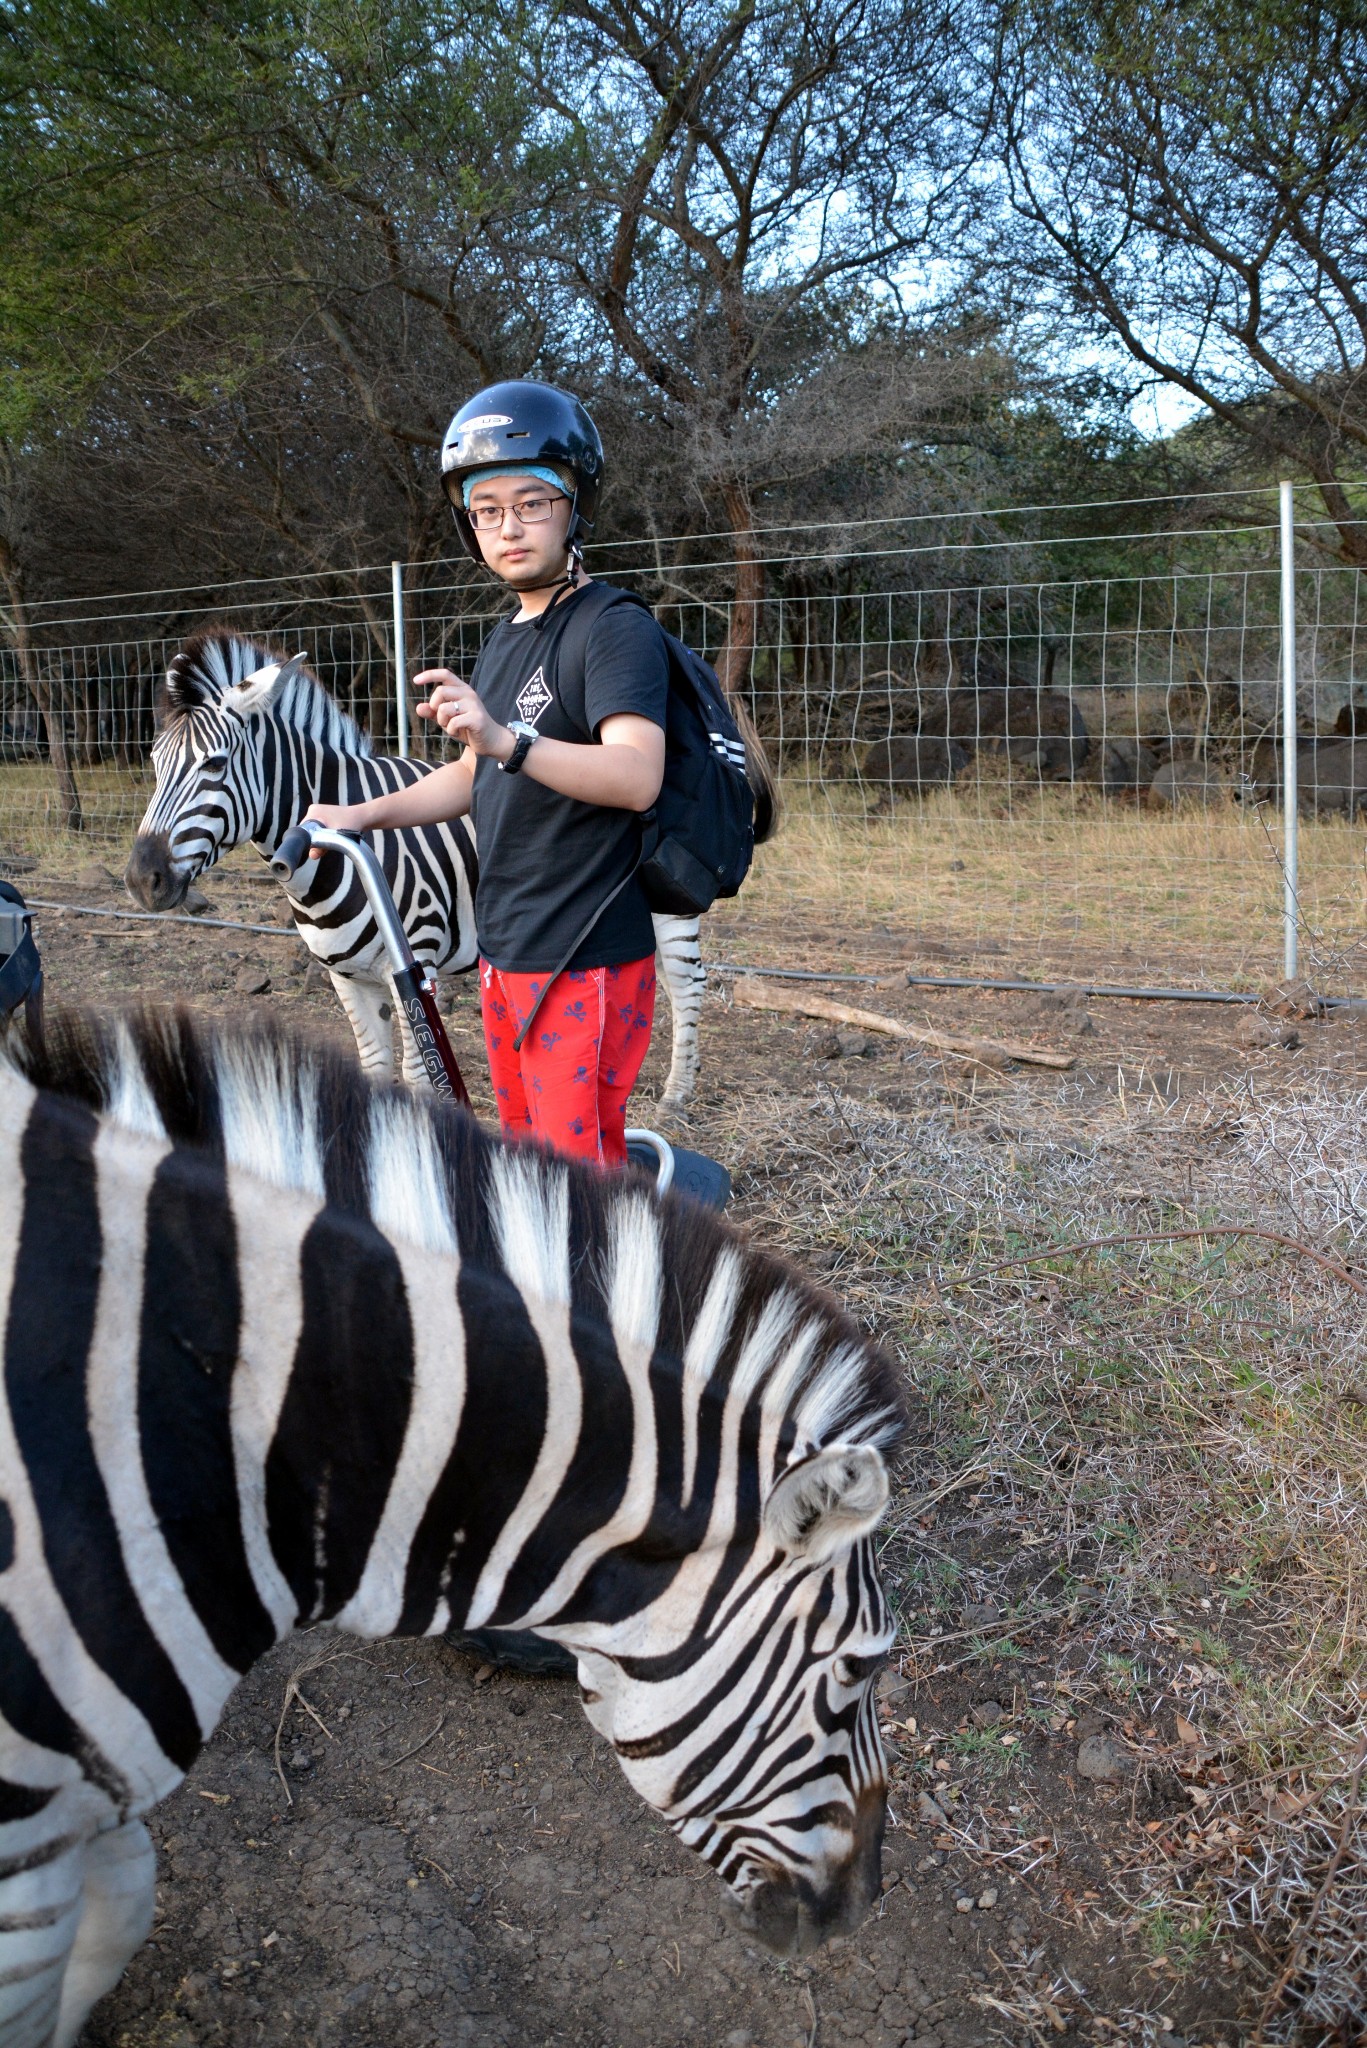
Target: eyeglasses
[527,512]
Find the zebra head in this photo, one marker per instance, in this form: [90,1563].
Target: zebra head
[228,760]
[757,1738]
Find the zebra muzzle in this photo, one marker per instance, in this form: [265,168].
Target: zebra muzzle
[151,876]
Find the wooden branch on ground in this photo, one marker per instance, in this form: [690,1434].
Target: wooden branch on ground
[990,1052]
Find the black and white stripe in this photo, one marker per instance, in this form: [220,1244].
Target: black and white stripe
[248,740]
[280,1347]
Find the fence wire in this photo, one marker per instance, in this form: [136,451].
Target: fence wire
[1015,763]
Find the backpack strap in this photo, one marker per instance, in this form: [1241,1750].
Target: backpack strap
[572,648]
[575,943]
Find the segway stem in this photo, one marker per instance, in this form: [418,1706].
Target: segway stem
[413,986]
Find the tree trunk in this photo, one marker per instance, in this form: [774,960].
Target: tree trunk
[68,795]
[738,649]
[1352,530]
[737,655]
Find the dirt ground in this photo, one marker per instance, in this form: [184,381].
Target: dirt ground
[386,1843]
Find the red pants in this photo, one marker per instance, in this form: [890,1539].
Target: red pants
[569,1084]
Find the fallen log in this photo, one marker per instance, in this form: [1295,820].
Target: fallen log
[990,1052]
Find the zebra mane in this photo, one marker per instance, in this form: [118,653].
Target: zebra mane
[218,660]
[298,1115]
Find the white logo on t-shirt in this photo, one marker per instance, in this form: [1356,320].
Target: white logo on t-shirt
[533,698]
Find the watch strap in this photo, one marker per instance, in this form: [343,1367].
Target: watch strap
[522,746]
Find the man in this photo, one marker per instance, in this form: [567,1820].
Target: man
[555,768]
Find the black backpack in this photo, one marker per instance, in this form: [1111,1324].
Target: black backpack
[698,841]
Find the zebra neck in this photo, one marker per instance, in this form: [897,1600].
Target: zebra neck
[437,1446]
[300,774]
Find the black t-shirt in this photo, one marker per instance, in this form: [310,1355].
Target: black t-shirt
[546,860]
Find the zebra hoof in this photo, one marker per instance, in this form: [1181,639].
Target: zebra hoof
[511,1649]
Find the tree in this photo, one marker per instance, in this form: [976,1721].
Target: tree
[1187,180]
[742,170]
[301,210]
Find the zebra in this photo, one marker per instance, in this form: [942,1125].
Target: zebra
[284,1346]
[248,740]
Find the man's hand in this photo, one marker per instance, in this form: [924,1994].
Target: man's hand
[461,714]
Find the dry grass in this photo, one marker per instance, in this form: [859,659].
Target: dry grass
[1154,1459]
[1053,877]
[1194,896]
[113,800]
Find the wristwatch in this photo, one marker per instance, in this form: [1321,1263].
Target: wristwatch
[523,736]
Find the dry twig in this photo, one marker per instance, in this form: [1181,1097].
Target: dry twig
[990,1051]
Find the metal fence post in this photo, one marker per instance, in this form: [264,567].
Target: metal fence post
[400,661]
[1290,844]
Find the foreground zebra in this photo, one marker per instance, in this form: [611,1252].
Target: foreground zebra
[283,1348]
[248,741]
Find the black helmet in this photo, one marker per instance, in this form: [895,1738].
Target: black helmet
[523,422]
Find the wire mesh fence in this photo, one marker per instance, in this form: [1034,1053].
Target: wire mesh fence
[978,740]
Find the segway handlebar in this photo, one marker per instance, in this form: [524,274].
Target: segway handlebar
[414,988]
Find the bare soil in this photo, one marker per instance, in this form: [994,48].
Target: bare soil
[447,1855]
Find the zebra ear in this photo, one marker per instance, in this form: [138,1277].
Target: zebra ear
[826,1501]
[255,691]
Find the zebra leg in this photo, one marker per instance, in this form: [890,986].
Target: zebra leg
[118,1900]
[369,1006]
[685,978]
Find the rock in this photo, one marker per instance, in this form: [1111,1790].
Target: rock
[931,1810]
[1048,735]
[1104,1760]
[1128,766]
[986,1714]
[988,1899]
[252,981]
[853,1044]
[1062,997]
[1258,1034]
[1181,782]
[912,761]
[740,2037]
[1332,778]
[1295,1000]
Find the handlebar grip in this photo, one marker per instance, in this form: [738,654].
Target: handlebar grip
[292,851]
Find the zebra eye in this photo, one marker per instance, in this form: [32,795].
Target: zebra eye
[854,1670]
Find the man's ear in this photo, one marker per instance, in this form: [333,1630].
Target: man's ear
[828,1500]
[256,691]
